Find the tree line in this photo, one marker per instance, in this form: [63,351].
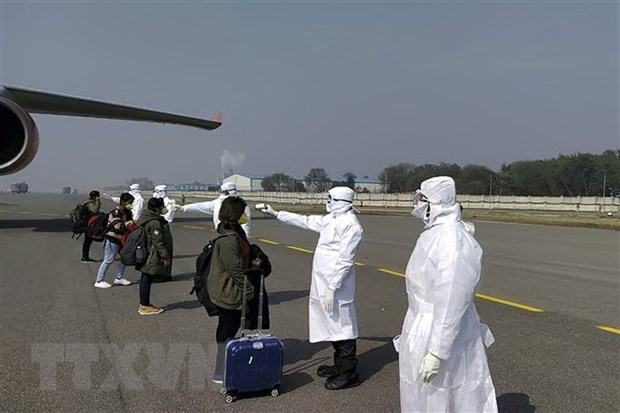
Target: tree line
[579,174]
[317,180]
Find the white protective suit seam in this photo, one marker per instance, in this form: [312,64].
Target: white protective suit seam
[449,300]
[345,266]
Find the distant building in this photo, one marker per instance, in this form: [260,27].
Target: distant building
[194,187]
[246,183]
[253,183]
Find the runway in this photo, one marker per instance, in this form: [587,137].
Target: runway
[549,294]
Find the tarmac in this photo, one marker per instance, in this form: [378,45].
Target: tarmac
[549,294]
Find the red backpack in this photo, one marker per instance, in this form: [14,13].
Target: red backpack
[128,230]
[96,226]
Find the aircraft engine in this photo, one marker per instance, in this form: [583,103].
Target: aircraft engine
[19,137]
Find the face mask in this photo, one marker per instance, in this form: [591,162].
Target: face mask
[129,206]
[421,207]
[244,219]
[164,211]
[421,210]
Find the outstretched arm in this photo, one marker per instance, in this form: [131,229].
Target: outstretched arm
[204,207]
[311,222]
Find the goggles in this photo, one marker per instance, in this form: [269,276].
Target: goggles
[330,199]
[418,196]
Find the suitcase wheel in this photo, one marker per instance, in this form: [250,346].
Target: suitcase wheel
[229,399]
[275,392]
[223,391]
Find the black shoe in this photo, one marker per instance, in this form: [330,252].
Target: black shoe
[340,383]
[87,260]
[326,371]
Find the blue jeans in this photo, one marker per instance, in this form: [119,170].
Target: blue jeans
[110,250]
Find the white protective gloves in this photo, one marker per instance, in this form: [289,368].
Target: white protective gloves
[106,196]
[429,367]
[396,343]
[177,208]
[266,209]
[329,301]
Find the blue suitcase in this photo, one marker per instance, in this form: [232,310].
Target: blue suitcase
[252,363]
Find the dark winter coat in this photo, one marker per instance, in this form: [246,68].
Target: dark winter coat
[225,280]
[158,244]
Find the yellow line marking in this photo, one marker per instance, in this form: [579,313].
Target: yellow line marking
[268,241]
[488,297]
[361,264]
[299,249]
[510,303]
[391,272]
[609,329]
[48,215]
[193,227]
[25,213]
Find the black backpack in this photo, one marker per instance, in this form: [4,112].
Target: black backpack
[79,218]
[203,265]
[134,251]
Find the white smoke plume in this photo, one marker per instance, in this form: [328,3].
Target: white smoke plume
[232,160]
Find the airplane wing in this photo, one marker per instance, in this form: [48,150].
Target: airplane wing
[53,104]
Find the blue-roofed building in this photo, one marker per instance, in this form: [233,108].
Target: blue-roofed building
[194,187]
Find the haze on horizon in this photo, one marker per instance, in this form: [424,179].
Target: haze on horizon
[343,86]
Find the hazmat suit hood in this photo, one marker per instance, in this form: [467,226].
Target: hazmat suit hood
[436,201]
[339,200]
[160,191]
[229,189]
[134,189]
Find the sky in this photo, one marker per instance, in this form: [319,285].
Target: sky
[348,86]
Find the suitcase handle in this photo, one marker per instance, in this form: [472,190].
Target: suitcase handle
[260,302]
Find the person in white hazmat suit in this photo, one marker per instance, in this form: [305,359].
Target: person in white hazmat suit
[442,358]
[332,314]
[213,207]
[161,191]
[138,201]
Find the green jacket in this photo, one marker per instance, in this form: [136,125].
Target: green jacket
[225,280]
[94,207]
[158,243]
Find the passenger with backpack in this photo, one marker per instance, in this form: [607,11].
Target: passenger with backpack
[87,210]
[138,200]
[159,252]
[225,284]
[118,220]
